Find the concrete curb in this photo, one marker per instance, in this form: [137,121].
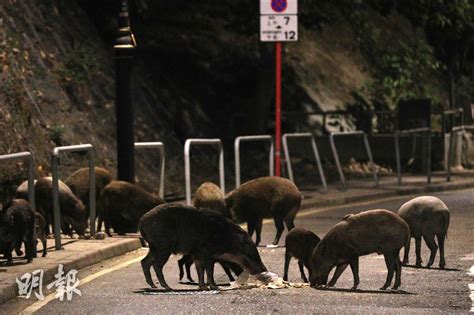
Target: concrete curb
[449,186]
[10,290]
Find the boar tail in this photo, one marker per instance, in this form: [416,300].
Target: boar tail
[446,223]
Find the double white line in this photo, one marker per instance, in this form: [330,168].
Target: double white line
[471,288]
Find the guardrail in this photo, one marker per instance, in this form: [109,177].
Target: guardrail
[427,132]
[22,156]
[55,170]
[336,155]
[187,163]
[315,151]
[161,148]
[240,139]
[454,131]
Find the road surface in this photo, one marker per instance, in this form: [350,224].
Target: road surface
[110,285]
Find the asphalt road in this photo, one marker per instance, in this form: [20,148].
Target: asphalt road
[422,291]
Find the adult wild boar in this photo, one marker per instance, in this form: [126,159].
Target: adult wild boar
[79,184]
[204,235]
[265,197]
[123,204]
[300,243]
[374,231]
[17,225]
[209,196]
[427,217]
[72,210]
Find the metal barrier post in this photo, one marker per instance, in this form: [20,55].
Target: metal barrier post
[426,132]
[55,170]
[240,139]
[336,155]
[315,151]
[161,148]
[187,164]
[31,171]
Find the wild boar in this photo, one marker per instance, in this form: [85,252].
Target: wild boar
[427,217]
[265,197]
[208,196]
[374,231]
[204,235]
[22,190]
[71,208]
[79,184]
[17,225]
[300,243]
[123,204]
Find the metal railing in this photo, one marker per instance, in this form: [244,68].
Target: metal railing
[161,148]
[55,169]
[454,131]
[240,139]
[425,131]
[187,163]
[22,156]
[315,151]
[336,155]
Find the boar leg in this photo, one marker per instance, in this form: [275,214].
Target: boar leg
[418,251]
[146,265]
[290,222]
[355,272]
[279,227]
[406,255]
[251,227]
[430,241]
[390,262]
[209,265]
[258,231]
[287,264]
[158,263]
[301,265]
[337,273]
[200,272]
[43,241]
[441,238]
[398,273]
[227,271]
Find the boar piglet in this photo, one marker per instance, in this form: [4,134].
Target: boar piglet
[204,235]
[374,231]
[300,243]
[17,225]
[427,217]
[265,197]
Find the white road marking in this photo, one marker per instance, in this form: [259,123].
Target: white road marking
[471,288]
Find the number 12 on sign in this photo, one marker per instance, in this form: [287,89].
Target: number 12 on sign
[278,28]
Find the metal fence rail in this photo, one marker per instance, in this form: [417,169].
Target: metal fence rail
[427,133]
[187,163]
[237,142]
[336,154]
[161,148]
[55,169]
[315,151]
[22,156]
[455,131]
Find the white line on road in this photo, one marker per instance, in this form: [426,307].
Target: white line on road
[471,288]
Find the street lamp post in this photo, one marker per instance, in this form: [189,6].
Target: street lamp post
[124,49]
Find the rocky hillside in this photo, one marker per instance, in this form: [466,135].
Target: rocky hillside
[200,72]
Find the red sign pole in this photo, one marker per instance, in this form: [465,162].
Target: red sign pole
[277,108]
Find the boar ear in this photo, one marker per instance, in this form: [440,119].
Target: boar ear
[346,217]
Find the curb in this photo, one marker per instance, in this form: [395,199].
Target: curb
[386,194]
[10,291]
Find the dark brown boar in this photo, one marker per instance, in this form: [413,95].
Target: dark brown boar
[208,196]
[265,197]
[374,231]
[427,217]
[79,184]
[204,235]
[123,204]
[71,208]
[300,243]
[17,225]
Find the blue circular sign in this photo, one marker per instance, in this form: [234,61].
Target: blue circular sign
[279,5]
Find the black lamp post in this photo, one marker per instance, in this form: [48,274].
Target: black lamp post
[124,49]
